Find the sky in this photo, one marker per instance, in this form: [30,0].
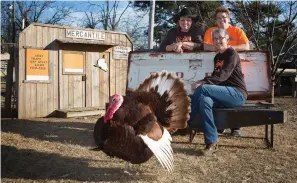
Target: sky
[129,16]
[83,6]
[129,20]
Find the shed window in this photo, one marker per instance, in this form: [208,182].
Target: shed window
[73,63]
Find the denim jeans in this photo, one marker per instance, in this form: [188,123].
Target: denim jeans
[202,102]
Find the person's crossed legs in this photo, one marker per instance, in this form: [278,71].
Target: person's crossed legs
[202,102]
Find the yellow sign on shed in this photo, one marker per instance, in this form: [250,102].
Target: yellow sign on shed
[37,65]
[73,62]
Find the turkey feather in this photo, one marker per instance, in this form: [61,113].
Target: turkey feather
[161,149]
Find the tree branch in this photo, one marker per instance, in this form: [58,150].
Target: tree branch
[250,24]
[123,12]
[277,61]
[284,55]
[44,6]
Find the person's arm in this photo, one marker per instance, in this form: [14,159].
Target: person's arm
[197,38]
[197,84]
[243,41]
[209,47]
[170,47]
[208,44]
[196,42]
[176,47]
[191,46]
[225,71]
[168,42]
[169,36]
[164,44]
[242,47]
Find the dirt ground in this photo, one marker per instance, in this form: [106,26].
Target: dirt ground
[58,150]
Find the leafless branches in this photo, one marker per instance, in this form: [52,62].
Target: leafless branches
[109,14]
[271,26]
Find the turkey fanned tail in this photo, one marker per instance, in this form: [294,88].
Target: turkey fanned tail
[175,108]
[161,149]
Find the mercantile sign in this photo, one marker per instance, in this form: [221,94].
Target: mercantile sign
[83,34]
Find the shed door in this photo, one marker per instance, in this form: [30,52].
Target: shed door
[98,81]
[73,80]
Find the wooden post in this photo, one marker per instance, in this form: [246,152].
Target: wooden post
[294,87]
[151,24]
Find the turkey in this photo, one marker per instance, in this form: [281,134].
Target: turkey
[135,126]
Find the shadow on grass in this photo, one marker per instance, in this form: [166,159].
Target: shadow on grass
[77,133]
[190,152]
[33,165]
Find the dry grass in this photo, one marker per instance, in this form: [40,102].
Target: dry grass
[58,150]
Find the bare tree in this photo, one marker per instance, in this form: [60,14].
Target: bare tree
[204,11]
[32,11]
[13,14]
[290,39]
[136,28]
[271,26]
[35,11]
[91,20]
[109,16]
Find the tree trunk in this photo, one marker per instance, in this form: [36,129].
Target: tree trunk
[294,87]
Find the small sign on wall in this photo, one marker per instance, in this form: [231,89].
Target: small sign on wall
[121,52]
[37,62]
[73,63]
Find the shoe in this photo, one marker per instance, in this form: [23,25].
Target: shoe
[235,133]
[224,131]
[221,131]
[210,149]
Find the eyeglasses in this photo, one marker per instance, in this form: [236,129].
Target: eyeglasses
[219,18]
[218,38]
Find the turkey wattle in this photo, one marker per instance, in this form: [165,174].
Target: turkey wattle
[135,127]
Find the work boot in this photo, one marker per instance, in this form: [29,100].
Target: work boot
[209,149]
[235,133]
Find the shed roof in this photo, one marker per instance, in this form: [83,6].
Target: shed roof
[82,41]
[79,28]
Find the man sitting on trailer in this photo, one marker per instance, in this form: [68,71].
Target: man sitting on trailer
[237,39]
[225,86]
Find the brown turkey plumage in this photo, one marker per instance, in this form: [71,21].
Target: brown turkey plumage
[135,127]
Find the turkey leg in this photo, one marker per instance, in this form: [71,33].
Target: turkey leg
[126,170]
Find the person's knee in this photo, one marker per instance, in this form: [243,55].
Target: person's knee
[201,88]
[205,102]
[199,92]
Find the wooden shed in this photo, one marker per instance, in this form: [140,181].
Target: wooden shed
[55,70]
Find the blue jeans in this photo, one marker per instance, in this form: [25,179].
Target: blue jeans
[202,102]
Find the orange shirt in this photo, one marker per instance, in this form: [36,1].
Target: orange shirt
[236,36]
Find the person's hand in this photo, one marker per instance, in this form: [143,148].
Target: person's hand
[197,84]
[178,47]
[188,46]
